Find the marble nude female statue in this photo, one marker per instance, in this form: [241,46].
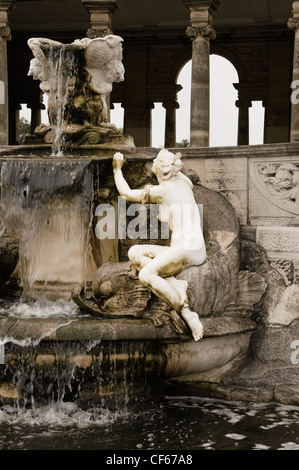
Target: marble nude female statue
[157,265]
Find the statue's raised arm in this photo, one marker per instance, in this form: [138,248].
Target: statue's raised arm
[157,265]
[134,195]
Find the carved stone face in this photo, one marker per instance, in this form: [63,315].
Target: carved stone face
[115,71]
[101,80]
[37,70]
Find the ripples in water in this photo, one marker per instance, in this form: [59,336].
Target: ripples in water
[179,423]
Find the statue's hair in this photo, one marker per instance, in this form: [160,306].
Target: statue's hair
[99,51]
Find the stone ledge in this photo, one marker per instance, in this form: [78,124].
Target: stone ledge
[64,329]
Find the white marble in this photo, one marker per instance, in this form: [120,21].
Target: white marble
[157,265]
[102,64]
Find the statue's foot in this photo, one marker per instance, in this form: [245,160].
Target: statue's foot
[192,320]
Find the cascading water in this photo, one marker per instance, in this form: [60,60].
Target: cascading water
[63,69]
[56,363]
[46,205]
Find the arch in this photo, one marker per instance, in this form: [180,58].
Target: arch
[179,64]
[228,55]
[223,96]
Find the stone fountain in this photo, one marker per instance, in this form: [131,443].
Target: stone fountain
[88,217]
[78,80]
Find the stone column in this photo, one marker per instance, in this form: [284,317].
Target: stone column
[5,35]
[36,115]
[293,23]
[243,103]
[200,32]
[171,104]
[14,124]
[100,12]
[138,122]
[170,123]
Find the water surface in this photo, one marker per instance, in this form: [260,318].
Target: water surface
[177,424]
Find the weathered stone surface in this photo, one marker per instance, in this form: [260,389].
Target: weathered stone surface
[9,391]
[9,255]
[287,309]
[212,286]
[120,290]
[279,242]
[188,360]
[225,391]
[254,259]
[287,394]
[88,328]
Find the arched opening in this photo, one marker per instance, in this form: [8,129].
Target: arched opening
[117,116]
[158,125]
[223,96]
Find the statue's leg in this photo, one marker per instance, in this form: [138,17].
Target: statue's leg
[141,255]
[155,275]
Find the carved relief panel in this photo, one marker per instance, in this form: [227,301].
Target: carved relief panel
[274,210]
[278,181]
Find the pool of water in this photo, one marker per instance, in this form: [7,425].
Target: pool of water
[179,423]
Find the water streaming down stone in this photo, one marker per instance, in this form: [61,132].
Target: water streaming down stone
[63,68]
[46,205]
[89,373]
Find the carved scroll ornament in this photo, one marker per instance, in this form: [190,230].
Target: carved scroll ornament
[279,183]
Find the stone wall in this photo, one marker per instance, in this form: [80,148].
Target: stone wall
[262,184]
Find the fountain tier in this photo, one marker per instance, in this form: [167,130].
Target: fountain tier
[53,205]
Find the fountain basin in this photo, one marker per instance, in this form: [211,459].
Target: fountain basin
[110,361]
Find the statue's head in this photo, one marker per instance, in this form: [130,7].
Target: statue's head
[167,164]
[114,71]
[37,70]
